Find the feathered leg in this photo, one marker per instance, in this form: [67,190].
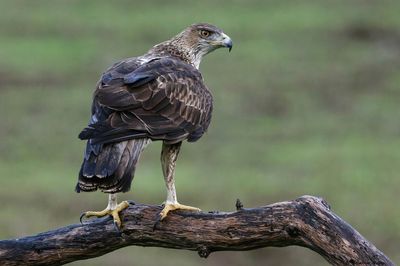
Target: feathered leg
[169,155]
[112,209]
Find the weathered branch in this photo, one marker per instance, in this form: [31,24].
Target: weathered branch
[306,221]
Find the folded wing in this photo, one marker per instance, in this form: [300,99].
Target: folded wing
[163,99]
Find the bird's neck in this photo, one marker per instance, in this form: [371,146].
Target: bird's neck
[177,48]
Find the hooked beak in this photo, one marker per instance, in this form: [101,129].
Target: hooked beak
[222,41]
[227,42]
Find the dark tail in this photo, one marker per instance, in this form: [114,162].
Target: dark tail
[110,167]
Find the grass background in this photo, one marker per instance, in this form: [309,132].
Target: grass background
[306,103]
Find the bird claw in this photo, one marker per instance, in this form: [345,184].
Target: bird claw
[131,202]
[168,207]
[115,222]
[157,222]
[158,218]
[117,228]
[114,213]
[83,214]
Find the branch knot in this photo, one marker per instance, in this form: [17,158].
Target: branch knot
[292,231]
[239,205]
[203,252]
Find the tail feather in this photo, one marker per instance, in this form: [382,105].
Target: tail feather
[111,170]
[109,159]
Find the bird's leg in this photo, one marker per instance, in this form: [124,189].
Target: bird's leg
[112,209]
[169,155]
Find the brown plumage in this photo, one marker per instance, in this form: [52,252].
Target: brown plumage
[160,95]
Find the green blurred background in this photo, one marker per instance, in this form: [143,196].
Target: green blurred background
[306,103]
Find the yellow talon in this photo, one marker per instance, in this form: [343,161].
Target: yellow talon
[114,213]
[175,206]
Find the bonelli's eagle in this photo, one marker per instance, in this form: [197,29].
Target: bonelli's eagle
[160,95]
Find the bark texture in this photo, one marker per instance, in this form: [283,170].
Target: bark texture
[307,221]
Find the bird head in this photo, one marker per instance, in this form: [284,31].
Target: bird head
[198,40]
[206,37]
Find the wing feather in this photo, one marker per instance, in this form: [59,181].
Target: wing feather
[164,99]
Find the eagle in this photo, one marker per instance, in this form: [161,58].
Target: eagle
[158,96]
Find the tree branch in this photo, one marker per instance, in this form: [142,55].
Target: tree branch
[306,221]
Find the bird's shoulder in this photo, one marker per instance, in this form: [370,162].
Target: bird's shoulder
[125,70]
[138,79]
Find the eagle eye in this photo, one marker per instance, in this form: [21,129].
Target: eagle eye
[204,33]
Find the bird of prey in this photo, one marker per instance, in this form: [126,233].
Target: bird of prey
[160,95]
